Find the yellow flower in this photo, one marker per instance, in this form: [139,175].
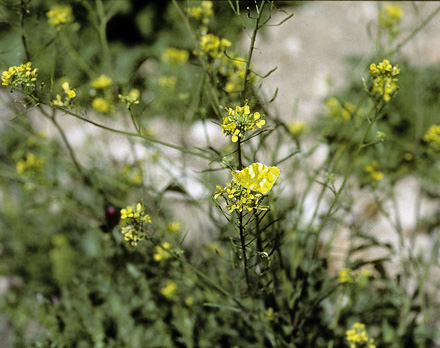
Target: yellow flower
[372,170]
[189,301]
[168,82]
[135,228]
[296,129]
[20,76]
[432,136]
[58,101]
[161,252]
[346,275]
[239,121]
[174,226]
[59,14]
[213,46]
[203,12]
[391,15]
[131,98]
[357,337]
[29,165]
[384,76]
[257,177]
[70,92]
[169,290]
[102,81]
[127,213]
[102,105]
[174,56]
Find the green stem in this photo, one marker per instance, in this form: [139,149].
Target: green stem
[66,142]
[414,33]
[77,58]
[243,247]
[144,137]
[203,276]
[22,32]
[251,48]
[103,35]
[344,182]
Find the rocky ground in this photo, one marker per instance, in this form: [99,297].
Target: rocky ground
[309,49]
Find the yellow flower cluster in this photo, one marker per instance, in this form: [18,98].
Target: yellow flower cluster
[337,110]
[234,71]
[391,15]
[135,223]
[357,337]
[168,82]
[29,165]
[347,275]
[102,82]
[203,12]
[371,169]
[239,121]
[102,105]
[59,14]
[213,46]
[384,79]
[240,198]
[20,76]
[174,56]
[174,226]
[133,175]
[297,129]
[70,95]
[169,290]
[432,136]
[131,98]
[161,253]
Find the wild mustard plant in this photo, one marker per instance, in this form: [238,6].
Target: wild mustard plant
[347,275]
[345,111]
[70,96]
[203,14]
[161,253]
[240,120]
[384,77]
[373,173]
[135,223]
[213,46]
[169,290]
[297,129]
[174,56]
[30,165]
[390,18]
[102,82]
[20,76]
[357,337]
[432,136]
[132,98]
[102,105]
[59,15]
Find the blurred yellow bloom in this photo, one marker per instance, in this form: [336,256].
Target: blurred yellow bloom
[357,337]
[169,290]
[168,82]
[102,81]
[174,56]
[102,105]
[59,14]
